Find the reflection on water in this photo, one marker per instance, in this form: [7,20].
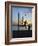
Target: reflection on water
[20,28]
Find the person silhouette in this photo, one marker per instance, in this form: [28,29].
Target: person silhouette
[29,27]
[25,23]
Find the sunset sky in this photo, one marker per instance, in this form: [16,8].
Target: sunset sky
[22,12]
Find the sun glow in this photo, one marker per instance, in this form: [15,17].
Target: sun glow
[28,22]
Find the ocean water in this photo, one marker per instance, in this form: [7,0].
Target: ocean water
[20,28]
